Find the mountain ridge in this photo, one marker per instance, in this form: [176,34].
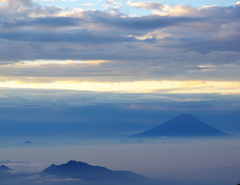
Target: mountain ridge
[84,171]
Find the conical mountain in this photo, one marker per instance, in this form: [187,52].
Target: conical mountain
[183,125]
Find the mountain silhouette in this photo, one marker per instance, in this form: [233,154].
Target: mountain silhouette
[183,125]
[86,172]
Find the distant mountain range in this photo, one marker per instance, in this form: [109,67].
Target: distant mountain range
[183,125]
[73,173]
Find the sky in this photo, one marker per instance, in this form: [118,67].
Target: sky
[72,71]
[117,66]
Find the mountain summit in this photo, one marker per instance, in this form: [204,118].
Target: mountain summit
[183,125]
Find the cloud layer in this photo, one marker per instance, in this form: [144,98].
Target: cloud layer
[45,32]
[172,43]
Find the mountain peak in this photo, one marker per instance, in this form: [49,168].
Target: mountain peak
[183,125]
[73,162]
[4,168]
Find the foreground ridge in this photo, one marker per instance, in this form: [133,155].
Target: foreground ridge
[84,171]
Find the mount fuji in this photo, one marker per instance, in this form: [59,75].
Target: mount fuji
[183,125]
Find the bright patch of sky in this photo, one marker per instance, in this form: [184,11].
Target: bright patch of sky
[133,87]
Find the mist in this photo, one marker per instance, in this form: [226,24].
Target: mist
[172,161]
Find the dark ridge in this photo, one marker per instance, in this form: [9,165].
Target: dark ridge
[183,125]
[84,171]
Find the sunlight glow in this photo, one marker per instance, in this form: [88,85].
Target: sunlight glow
[133,87]
[58,62]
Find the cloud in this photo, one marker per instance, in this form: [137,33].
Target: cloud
[198,67]
[135,87]
[14,4]
[13,162]
[147,5]
[41,22]
[88,4]
[79,36]
[46,97]
[148,22]
[111,2]
[181,32]
[189,21]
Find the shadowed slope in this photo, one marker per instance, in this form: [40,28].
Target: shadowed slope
[183,125]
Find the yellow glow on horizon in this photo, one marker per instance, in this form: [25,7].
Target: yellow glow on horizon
[58,62]
[133,87]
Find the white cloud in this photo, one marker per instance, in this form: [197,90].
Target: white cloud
[111,2]
[88,4]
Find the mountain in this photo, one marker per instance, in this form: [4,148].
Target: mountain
[183,125]
[86,172]
[5,174]
[4,168]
